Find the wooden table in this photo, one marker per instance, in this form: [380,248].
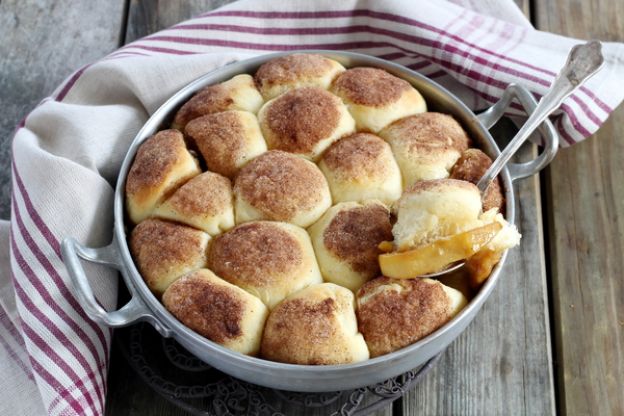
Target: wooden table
[550,338]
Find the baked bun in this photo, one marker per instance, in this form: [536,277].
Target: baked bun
[280,186]
[429,210]
[471,166]
[238,93]
[218,310]
[361,167]
[227,140]
[161,164]
[316,326]
[376,98]
[426,146]
[268,259]
[507,237]
[163,251]
[204,202]
[295,71]
[394,313]
[305,121]
[346,241]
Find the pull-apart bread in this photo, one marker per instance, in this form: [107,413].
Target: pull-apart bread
[293,212]
[296,71]
[441,222]
[434,209]
[227,140]
[218,310]
[346,241]
[305,121]
[316,325]
[204,202]
[279,186]
[437,209]
[394,313]
[426,145]
[361,167]
[376,98]
[268,259]
[471,166]
[164,251]
[162,163]
[238,93]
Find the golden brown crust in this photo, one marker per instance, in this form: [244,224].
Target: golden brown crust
[257,254]
[280,184]
[392,319]
[369,86]
[430,133]
[154,161]
[298,319]
[493,197]
[357,156]
[354,236]
[298,119]
[211,99]
[290,68]
[315,326]
[471,166]
[206,194]
[421,186]
[213,311]
[220,138]
[158,247]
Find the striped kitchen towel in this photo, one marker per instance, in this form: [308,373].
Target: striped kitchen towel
[67,152]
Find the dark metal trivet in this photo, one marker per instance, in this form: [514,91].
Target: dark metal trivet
[193,385]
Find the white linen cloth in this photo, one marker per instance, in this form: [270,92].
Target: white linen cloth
[67,152]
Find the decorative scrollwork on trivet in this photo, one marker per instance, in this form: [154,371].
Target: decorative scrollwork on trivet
[390,388]
[308,399]
[181,358]
[196,387]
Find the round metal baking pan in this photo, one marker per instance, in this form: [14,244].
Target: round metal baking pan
[144,306]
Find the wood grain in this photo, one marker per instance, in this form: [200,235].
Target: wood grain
[585,194]
[149,16]
[502,363]
[41,44]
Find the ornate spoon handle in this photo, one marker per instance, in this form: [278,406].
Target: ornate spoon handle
[583,62]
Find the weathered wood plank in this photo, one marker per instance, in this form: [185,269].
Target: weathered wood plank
[41,44]
[149,16]
[585,196]
[502,363]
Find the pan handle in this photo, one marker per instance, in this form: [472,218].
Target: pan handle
[551,139]
[133,311]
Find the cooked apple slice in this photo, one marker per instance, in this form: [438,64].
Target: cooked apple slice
[479,266]
[386,246]
[437,255]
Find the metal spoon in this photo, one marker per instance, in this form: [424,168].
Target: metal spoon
[583,62]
